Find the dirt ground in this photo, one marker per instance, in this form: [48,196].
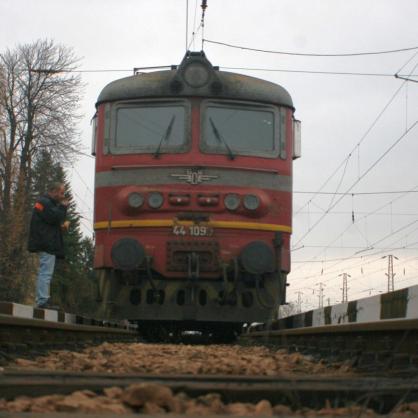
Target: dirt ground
[183,359]
[149,398]
[153,399]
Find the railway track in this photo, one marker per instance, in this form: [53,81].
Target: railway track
[381,346]
[384,351]
[23,328]
[381,394]
[377,334]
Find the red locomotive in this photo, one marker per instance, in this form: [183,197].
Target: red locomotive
[193,198]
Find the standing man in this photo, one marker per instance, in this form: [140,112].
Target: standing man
[45,237]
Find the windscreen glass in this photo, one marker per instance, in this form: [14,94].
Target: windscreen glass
[235,130]
[150,128]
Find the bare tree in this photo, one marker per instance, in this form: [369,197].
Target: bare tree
[39,97]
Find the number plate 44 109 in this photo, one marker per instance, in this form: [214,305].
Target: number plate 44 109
[194,230]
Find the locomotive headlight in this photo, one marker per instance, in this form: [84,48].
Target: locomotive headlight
[135,200]
[196,75]
[155,200]
[251,202]
[232,201]
[257,258]
[127,254]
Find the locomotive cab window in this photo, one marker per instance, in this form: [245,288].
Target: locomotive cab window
[150,127]
[241,129]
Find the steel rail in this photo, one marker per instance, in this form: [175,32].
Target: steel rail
[19,334]
[14,321]
[382,346]
[377,326]
[294,391]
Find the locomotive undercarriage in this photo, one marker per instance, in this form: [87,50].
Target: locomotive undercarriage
[201,292]
[164,306]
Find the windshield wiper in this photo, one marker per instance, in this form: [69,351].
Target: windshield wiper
[165,137]
[221,139]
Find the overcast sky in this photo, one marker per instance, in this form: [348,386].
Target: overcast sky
[337,112]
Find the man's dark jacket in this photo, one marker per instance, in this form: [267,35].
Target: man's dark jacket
[45,227]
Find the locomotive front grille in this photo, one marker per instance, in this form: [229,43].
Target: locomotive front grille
[178,253]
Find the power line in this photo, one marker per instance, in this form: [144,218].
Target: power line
[365,135]
[344,73]
[324,248]
[360,178]
[194,27]
[201,25]
[187,22]
[101,70]
[358,213]
[353,257]
[82,180]
[333,272]
[279,70]
[300,54]
[348,73]
[357,279]
[357,193]
[371,247]
[405,78]
[407,62]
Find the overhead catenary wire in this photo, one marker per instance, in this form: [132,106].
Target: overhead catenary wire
[282,70]
[406,63]
[356,193]
[82,180]
[363,277]
[364,217]
[340,212]
[312,54]
[373,212]
[365,135]
[337,193]
[351,257]
[405,78]
[332,274]
[344,73]
[187,23]
[201,26]
[362,139]
[364,174]
[380,288]
[411,247]
[194,25]
[349,155]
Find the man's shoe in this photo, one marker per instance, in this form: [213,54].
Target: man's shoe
[47,305]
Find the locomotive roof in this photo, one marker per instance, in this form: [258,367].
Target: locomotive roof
[160,84]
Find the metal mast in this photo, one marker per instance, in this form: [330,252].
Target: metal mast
[390,274]
[345,287]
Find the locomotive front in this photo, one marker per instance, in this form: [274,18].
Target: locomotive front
[193,196]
